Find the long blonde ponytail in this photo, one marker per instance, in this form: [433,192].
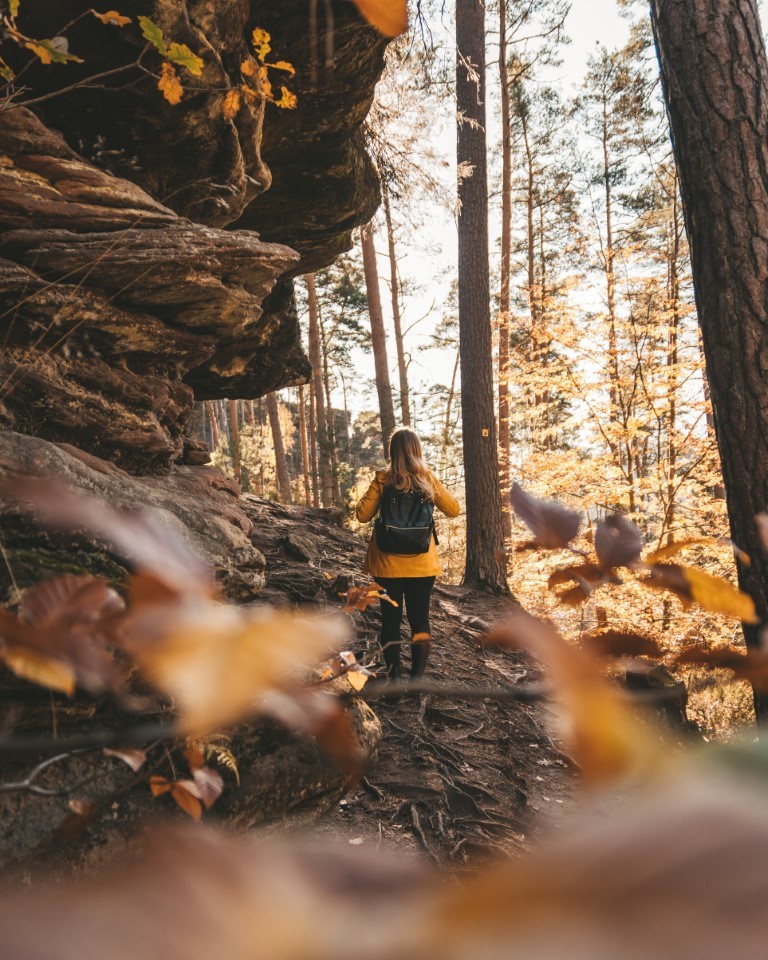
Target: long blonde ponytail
[407,470]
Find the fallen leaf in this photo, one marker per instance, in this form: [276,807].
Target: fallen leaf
[135,759]
[81,814]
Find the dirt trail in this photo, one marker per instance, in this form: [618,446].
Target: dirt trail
[453,780]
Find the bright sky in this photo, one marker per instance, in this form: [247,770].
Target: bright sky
[431,259]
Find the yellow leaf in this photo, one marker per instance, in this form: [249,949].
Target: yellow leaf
[356,679]
[112,18]
[159,785]
[38,668]
[150,31]
[265,87]
[390,17]
[231,105]
[14,7]
[215,661]
[52,51]
[283,65]
[5,71]
[261,44]
[287,101]
[249,68]
[169,84]
[182,56]
[671,549]
[717,595]
[181,793]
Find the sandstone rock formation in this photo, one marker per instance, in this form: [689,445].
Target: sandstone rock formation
[122,296]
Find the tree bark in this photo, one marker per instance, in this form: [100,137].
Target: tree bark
[234,439]
[394,281]
[329,417]
[715,81]
[378,336]
[506,248]
[316,360]
[313,449]
[281,464]
[485,536]
[304,449]
[213,424]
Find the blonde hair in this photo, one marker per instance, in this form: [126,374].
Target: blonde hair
[407,470]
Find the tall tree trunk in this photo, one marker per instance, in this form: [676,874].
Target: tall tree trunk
[378,336]
[330,420]
[281,464]
[213,423]
[394,282]
[304,448]
[506,252]
[485,534]
[316,360]
[448,412]
[234,439]
[715,80]
[313,449]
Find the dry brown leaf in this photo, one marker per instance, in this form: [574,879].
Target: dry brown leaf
[618,543]
[620,643]
[135,759]
[552,526]
[215,660]
[40,669]
[710,592]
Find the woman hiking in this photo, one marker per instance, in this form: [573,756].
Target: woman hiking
[402,554]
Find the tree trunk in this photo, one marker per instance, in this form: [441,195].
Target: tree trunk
[378,336]
[304,449]
[313,449]
[329,417]
[715,81]
[213,424]
[402,367]
[506,248]
[281,464]
[448,412]
[316,360]
[234,439]
[485,536]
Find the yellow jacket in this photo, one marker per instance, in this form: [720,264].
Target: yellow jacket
[380,564]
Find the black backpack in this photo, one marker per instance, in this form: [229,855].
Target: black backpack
[404,524]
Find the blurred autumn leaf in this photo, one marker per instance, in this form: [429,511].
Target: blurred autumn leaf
[600,728]
[552,526]
[390,17]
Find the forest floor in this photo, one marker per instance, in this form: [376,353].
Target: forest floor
[453,780]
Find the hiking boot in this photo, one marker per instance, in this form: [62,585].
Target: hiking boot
[419,657]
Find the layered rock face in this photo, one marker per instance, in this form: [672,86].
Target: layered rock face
[135,272]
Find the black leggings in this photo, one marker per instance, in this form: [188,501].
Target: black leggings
[416,591]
